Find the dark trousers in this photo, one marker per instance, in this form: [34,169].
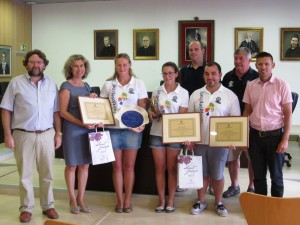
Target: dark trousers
[262,151]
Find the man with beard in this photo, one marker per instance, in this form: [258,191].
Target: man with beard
[32,129]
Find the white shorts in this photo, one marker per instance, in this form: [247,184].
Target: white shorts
[234,155]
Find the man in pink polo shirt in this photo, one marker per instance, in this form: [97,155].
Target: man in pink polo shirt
[268,103]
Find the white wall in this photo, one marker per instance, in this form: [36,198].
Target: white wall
[68,28]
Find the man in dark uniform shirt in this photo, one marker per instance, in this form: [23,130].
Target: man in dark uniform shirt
[191,76]
[236,80]
[146,49]
[108,49]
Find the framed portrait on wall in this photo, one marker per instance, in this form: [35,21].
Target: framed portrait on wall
[289,44]
[105,44]
[5,66]
[146,44]
[251,38]
[190,30]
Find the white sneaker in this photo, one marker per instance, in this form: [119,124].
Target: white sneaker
[198,207]
[221,210]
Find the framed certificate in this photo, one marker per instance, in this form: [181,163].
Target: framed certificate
[225,131]
[96,110]
[181,127]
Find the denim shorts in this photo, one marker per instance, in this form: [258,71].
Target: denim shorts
[125,139]
[156,142]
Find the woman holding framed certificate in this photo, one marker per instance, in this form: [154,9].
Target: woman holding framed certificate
[124,89]
[170,97]
[75,137]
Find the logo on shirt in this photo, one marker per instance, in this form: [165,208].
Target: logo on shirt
[122,98]
[131,91]
[174,99]
[209,108]
[218,100]
[230,84]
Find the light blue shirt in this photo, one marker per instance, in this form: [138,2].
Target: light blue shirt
[32,106]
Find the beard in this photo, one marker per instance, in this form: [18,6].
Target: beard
[35,73]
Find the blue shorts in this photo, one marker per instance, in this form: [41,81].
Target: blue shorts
[125,139]
[213,160]
[156,142]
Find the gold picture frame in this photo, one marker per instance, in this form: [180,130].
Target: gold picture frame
[146,44]
[228,130]
[287,51]
[181,127]
[105,44]
[251,38]
[96,110]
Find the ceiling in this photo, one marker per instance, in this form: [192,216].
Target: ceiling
[32,2]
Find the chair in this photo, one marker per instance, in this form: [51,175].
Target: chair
[288,155]
[57,222]
[266,210]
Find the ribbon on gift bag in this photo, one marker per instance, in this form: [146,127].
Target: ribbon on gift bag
[101,147]
[189,171]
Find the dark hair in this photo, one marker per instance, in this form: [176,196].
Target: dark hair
[214,64]
[125,56]
[35,52]
[69,63]
[295,36]
[174,66]
[263,54]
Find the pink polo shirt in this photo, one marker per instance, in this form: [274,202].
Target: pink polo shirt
[267,100]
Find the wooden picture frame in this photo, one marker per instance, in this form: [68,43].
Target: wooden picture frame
[187,30]
[228,130]
[181,127]
[5,62]
[146,44]
[105,44]
[96,110]
[289,44]
[251,38]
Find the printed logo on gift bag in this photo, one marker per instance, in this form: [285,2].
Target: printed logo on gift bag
[190,171]
[101,147]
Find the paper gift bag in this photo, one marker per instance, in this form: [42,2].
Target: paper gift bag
[190,171]
[101,147]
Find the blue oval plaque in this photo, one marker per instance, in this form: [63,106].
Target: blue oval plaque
[132,119]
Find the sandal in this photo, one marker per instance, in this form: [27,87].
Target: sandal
[159,209]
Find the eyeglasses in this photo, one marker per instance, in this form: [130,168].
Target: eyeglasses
[167,74]
[36,62]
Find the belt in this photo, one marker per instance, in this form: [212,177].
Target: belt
[33,131]
[268,133]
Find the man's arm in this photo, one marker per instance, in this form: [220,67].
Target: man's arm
[57,127]
[6,123]
[287,112]
[247,109]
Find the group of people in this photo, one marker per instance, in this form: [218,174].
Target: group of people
[32,108]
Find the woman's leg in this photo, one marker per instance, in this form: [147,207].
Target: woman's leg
[159,155]
[83,171]
[172,174]
[70,182]
[129,157]
[117,176]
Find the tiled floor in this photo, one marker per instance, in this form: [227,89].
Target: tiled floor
[103,203]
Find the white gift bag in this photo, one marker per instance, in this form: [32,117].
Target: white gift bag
[190,171]
[101,147]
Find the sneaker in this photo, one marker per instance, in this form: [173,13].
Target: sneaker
[198,207]
[221,210]
[231,191]
[251,190]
